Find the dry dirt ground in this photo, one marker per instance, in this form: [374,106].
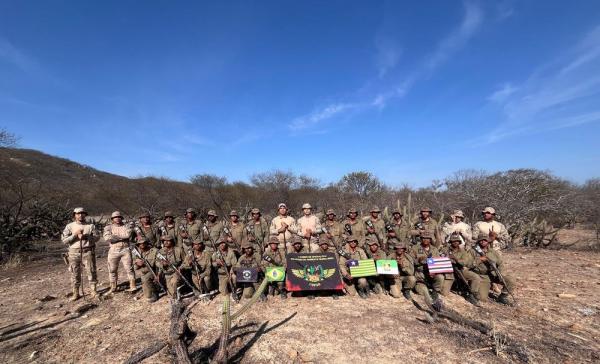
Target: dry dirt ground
[381,329]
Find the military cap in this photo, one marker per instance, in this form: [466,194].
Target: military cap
[352,210]
[426,209]
[273,240]
[142,240]
[222,239]
[454,237]
[370,242]
[247,245]
[212,213]
[458,213]
[325,241]
[397,211]
[392,242]
[426,235]
[167,237]
[233,213]
[306,206]
[191,210]
[351,238]
[255,211]
[79,210]
[375,209]
[297,240]
[144,214]
[198,241]
[115,214]
[281,205]
[483,236]
[491,210]
[400,245]
[330,212]
[169,214]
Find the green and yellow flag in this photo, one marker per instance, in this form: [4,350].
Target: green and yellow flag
[275,274]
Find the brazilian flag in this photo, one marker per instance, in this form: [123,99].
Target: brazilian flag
[275,274]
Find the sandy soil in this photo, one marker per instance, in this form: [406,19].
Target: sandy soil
[380,329]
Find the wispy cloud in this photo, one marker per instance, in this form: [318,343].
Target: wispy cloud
[387,55]
[321,115]
[561,94]
[14,56]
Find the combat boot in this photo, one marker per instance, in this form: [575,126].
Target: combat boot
[75,295]
[132,287]
[472,300]
[94,291]
[406,294]
[503,299]
[113,288]
[283,294]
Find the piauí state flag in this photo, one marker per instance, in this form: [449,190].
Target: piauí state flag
[387,266]
[362,268]
[275,274]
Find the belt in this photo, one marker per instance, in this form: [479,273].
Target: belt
[119,244]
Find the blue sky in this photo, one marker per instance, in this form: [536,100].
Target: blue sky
[411,91]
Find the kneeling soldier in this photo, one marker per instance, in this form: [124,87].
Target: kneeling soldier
[377,283]
[200,263]
[247,260]
[405,281]
[462,262]
[274,257]
[171,258]
[147,269]
[487,265]
[425,281]
[353,252]
[223,261]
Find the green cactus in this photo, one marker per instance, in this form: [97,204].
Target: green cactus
[252,300]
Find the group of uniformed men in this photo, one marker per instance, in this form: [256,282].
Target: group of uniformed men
[210,253]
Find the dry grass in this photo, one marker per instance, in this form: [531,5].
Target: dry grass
[12,262]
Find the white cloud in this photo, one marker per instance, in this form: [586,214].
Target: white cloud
[387,55]
[320,115]
[12,55]
[502,93]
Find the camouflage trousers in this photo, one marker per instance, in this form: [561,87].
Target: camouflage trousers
[78,261]
[486,284]
[472,278]
[148,285]
[424,282]
[172,281]
[248,289]
[202,284]
[119,253]
[402,283]
[351,285]
[223,283]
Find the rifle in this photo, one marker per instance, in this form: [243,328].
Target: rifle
[370,225]
[195,267]
[231,285]
[458,272]
[496,270]
[163,258]
[250,230]
[138,255]
[348,229]
[229,234]
[81,266]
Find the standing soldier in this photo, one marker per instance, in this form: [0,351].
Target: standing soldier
[405,281]
[378,283]
[486,261]
[425,281]
[458,226]
[234,232]
[427,223]
[81,239]
[168,227]
[119,235]
[353,252]
[223,260]
[199,262]
[376,228]
[497,233]
[274,257]
[146,230]
[215,228]
[190,230]
[171,263]
[248,260]
[355,227]
[147,270]
[308,227]
[462,262]
[257,230]
[398,228]
[332,229]
[283,226]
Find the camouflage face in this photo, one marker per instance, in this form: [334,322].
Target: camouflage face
[375,214]
[330,217]
[483,243]
[168,243]
[425,214]
[455,243]
[373,248]
[169,219]
[353,243]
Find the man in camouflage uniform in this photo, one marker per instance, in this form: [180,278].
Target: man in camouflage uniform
[378,282]
[168,227]
[274,257]
[484,261]
[427,223]
[326,246]
[199,262]
[248,260]
[297,246]
[355,225]
[170,260]
[215,228]
[425,281]
[234,232]
[223,260]
[376,228]
[145,271]
[463,261]
[497,233]
[145,230]
[332,229]
[283,226]
[189,230]
[353,252]
[405,281]
[81,239]
[458,226]
[118,235]
[309,227]
[257,231]
[399,229]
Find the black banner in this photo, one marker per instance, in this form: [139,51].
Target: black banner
[246,275]
[312,272]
